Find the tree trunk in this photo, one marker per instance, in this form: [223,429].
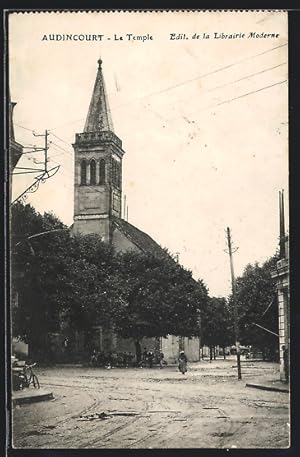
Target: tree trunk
[224,353]
[210,353]
[214,351]
[138,351]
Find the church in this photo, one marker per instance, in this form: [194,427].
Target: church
[98,156]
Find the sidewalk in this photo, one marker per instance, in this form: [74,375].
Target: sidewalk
[267,378]
[255,373]
[29,395]
[271,385]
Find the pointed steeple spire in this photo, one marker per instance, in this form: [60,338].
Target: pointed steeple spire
[99,117]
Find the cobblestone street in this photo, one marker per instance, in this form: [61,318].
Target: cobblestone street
[152,408]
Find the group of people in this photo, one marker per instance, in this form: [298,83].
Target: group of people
[147,358]
[128,359]
[112,359]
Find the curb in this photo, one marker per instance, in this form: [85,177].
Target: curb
[270,388]
[32,398]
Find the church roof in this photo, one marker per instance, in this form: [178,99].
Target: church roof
[143,241]
[99,116]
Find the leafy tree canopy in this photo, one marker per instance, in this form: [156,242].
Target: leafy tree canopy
[256,300]
[157,297]
[76,282]
[217,323]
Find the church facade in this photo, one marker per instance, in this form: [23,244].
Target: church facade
[98,154]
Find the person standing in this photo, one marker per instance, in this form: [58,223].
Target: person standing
[143,362]
[150,359]
[182,362]
[94,358]
[145,352]
[161,359]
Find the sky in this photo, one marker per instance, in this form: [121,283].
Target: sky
[204,124]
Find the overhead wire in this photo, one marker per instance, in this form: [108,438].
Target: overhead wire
[228,100]
[210,90]
[212,72]
[252,75]
[25,128]
[59,138]
[252,92]
[205,109]
[185,82]
[57,146]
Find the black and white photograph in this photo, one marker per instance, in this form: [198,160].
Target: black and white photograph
[148,229]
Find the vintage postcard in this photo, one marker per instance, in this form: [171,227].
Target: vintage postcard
[149,246]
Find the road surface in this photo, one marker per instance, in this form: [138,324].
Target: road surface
[155,408]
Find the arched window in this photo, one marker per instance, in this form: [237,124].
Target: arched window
[113,171]
[102,171]
[93,172]
[119,176]
[83,173]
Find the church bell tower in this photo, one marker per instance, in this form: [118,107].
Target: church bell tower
[98,168]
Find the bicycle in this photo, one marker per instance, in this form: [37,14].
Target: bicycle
[28,377]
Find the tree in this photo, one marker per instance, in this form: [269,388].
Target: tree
[217,327]
[61,281]
[88,297]
[256,300]
[32,317]
[157,297]
[76,282]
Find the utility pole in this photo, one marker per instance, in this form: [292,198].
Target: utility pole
[45,173]
[46,150]
[26,170]
[45,135]
[235,317]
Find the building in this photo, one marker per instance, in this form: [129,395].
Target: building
[98,180]
[15,153]
[98,208]
[281,274]
[15,148]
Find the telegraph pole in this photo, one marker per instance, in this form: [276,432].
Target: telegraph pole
[46,150]
[45,135]
[235,317]
[46,174]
